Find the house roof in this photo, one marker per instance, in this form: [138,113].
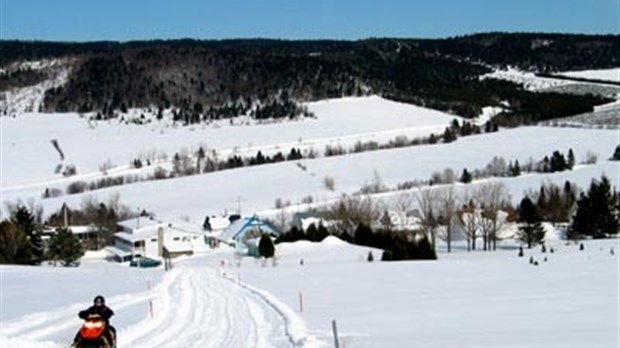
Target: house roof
[236,229]
[134,237]
[84,229]
[149,231]
[139,223]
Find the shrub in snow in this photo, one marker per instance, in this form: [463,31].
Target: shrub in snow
[77,187]
[329,183]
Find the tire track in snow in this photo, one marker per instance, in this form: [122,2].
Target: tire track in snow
[46,325]
[203,309]
[193,307]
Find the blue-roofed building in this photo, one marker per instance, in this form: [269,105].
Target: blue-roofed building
[245,233]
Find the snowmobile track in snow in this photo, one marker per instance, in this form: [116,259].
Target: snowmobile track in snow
[192,307]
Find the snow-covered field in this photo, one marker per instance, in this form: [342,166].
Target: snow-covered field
[603,75]
[528,80]
[463,299]
[531,82]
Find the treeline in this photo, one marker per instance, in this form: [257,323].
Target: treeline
[396,246]
[479,214]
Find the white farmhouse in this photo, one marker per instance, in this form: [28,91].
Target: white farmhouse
[144,236]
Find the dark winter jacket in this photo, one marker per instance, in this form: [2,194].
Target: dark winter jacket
[104,311]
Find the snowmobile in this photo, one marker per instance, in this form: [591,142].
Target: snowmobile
[95,333]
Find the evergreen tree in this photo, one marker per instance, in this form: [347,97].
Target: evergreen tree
[14,245]
[570,160]
[530,229]
[449,135]
[616,156]
[65,247]
[312,233]
[425,249]
[465,177]
[516,169]
[322,232]
[24,220]
[597,212]
[260,159]
[432,139]
[582,224]
[266,248]
[363,235]
[605,208]
[558,162]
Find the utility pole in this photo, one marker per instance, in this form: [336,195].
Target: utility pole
[238,200]
[64,210]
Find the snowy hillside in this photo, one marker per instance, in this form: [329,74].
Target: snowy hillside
[532,82]
[604,75]
[29,99]
[30,158]
[102,149]
[480,299]
[527,79]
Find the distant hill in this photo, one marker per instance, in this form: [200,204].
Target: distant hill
[266,78]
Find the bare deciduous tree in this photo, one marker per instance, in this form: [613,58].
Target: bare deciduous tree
[403,203]
[351,211]
[447,206]
[493,198]
[427,200]
[469,217]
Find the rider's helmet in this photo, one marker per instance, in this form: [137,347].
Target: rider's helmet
[99,300]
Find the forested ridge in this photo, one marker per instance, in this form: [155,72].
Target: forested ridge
[218,78]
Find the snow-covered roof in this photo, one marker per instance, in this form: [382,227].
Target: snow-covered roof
[237,228]
[185,227]
[218,223]
[83,229]
[139,223]
[134,237]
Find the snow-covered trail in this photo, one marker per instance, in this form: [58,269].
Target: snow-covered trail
[192,307]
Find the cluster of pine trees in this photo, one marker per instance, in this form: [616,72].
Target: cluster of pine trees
[21,241]
[596,214]
[598,211]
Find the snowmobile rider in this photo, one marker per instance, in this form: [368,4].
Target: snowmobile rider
[100,308]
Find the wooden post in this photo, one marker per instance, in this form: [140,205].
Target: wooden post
[335,329]
[301,302]
[148,286]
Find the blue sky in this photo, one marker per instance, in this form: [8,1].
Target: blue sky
[124,20]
